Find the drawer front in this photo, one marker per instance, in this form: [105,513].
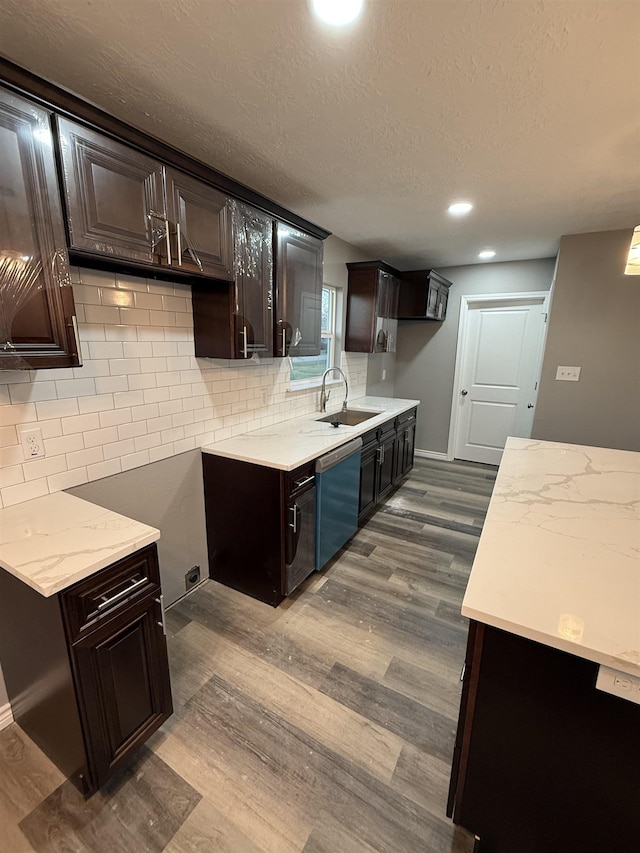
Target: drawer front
[300,479]
[387,428]
[407,416]
[91,602]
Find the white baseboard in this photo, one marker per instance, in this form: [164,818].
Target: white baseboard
[432,454]
[6,716]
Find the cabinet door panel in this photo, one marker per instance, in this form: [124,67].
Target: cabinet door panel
[298,293]
[115,199]
[253,267]
[124,676]
[300,540]
[368,477]
[36,301]
[202,221]
[386,465]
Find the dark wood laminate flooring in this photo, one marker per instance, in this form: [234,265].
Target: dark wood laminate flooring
[323,726]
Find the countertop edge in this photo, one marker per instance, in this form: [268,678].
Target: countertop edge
[343,435]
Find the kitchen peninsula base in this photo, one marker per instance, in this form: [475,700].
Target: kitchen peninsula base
[543,761]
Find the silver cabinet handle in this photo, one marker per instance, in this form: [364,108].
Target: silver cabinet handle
[179,247]
[462,671]
[162,624]
[168,235]
[107,602]
[284,342]
[245,350]
[294,523]
[464,392]
[300,483]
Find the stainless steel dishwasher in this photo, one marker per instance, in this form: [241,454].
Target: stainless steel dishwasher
[337,496]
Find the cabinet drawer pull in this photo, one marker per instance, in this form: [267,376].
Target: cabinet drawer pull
[107,602]
[300,483]
[163,623]
[179,240]
[245,348]
[294,523]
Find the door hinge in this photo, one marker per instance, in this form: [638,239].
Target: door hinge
[535,388]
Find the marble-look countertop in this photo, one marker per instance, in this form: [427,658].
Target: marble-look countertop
[54,541]
[559,555]
[288,444]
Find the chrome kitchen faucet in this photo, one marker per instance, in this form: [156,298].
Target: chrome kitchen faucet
[324,394]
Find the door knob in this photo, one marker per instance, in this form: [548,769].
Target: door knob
[464,392]
[530,406]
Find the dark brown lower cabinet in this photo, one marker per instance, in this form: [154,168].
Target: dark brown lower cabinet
[260,526]
[387,458]
[86,670]
[543,761]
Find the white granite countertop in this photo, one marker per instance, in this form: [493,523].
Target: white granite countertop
[288,444]
[54,541]
[559,555]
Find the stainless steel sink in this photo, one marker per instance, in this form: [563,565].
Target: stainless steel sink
[352,417]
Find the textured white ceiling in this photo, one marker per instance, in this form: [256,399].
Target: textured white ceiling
[529,109]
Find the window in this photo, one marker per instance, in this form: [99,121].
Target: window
[309,368]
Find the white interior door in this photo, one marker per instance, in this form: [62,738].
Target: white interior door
[500,359]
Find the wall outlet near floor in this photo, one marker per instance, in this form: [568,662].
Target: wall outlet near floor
[619,684]
[192,578]
[568,374]
[32,444]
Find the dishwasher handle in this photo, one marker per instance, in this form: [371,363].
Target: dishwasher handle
[329,460]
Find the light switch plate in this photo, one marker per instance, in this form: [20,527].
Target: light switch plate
[568,374]
[619,684]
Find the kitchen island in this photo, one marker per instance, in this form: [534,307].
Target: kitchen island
[544,759]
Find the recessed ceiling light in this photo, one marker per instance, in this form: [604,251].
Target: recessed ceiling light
[486,254]
[460,208]
[337,12]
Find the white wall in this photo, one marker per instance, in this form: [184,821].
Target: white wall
[425,361]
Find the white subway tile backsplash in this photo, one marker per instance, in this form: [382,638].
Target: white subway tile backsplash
[17,414]
[142,381]
[36,468]
[134,460]
[68,388]
[115,417]
[82,458]
[67,480]
[124,366]
[80,423]
[141,394]
[128,398]
[64,444]
[118,448]
[103,469]
[31,392]
[24,492]
[132,430]
[120,333]
[105,349]
[99,403]
[101,314]
[111,384]
[10,475]
[119,297]
[9,435]
[98,437]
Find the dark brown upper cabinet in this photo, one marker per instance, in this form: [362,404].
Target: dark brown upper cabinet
[200,222]
[372,307]
[298,293]
[122,204]
[37,315]
[237,321]
[423,295]
[115,197]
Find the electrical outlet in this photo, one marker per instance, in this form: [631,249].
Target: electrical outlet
[619,684]
[568,374]
[32,445]
[192,578]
